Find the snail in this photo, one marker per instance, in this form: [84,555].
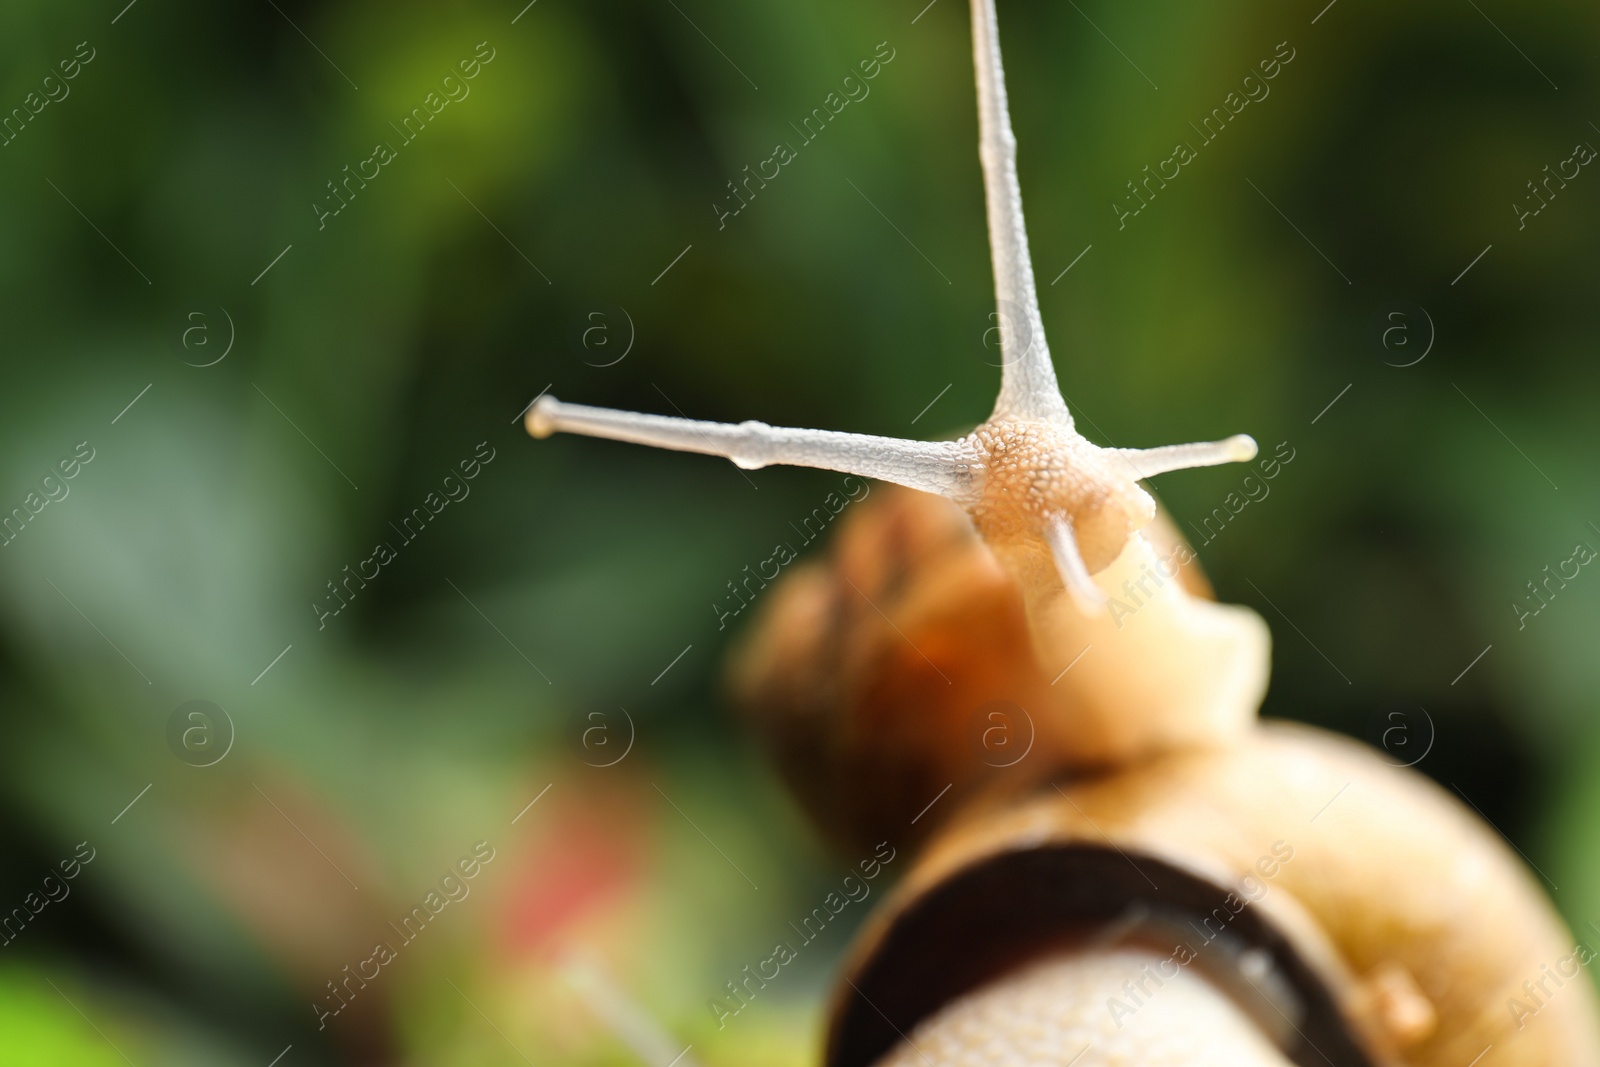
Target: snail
[1159,878]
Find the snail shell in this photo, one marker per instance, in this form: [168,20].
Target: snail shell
[1400,926]
[1401,931]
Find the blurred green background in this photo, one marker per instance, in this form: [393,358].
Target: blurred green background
[521,241]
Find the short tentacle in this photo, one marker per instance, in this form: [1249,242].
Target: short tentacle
[947,468]
[1069,563]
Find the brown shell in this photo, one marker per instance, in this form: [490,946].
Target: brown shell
[1406,926]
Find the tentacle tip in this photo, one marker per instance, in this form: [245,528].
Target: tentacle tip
[541,417]
[1242,448]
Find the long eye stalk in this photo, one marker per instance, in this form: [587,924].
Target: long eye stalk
[941,467]
[1028,387]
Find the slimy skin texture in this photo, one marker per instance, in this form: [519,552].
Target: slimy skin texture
[1034,471]
[1055,1013]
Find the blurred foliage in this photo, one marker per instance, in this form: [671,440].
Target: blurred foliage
[380,349]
